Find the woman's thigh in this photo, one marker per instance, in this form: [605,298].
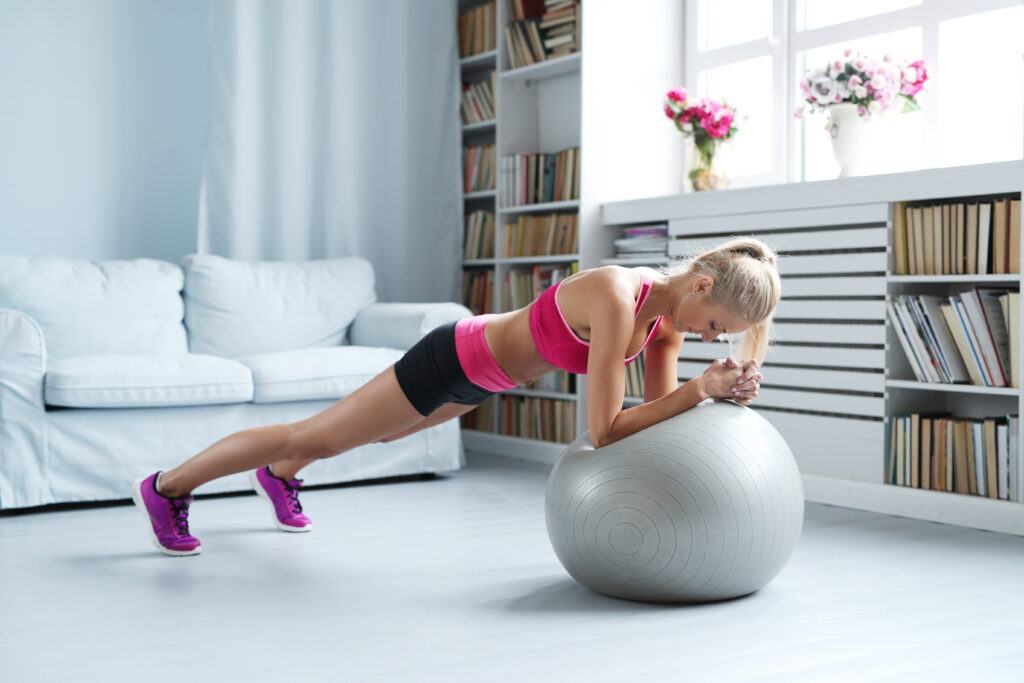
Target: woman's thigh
[373,412]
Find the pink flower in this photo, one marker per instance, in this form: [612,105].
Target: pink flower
[669,113]
[677,95]
[914,76]
[717,127]
[860,65]
[837,66]
[862,110]
[799,113]
[847,52]
[855,80]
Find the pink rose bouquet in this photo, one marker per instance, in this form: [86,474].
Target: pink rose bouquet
[874,87]
[707,122]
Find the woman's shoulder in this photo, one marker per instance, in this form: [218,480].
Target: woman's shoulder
[606,281]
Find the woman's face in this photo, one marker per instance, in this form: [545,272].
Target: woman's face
[697,315]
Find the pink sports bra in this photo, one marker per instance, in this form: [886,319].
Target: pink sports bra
[558,344]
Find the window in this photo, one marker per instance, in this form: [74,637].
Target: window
[752,53]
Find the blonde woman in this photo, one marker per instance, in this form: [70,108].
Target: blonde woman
[594,322]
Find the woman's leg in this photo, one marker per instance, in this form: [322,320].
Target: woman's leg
[375,411]
[287,469]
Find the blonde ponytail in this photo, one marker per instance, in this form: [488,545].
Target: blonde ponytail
[746,281]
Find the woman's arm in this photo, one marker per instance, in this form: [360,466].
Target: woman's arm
[661,363]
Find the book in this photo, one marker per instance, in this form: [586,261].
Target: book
[995,322]
[947,239]
[981,336]
[976,465]
[1002,460]
[988,434]
[909,349]
[960,240]
[928,232]
[971,246]
[1014,229]
[1000,236]
[1010,304]
[984,266]
[899,230]
[952,362]
[962,344]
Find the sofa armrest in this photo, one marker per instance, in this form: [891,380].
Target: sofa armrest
[399,326]
[22,361]
[23,434]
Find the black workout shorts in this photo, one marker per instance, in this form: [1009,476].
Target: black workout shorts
[430,374]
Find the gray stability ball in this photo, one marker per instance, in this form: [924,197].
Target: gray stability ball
[706,505]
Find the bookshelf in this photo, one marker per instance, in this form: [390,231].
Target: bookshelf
[562,103]
[837,373]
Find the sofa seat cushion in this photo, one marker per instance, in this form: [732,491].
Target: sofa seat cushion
[315,374]
[143,380]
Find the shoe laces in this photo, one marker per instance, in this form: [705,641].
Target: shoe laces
[179,516]
[292,489]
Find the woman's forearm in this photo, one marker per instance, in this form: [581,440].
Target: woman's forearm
[632,420]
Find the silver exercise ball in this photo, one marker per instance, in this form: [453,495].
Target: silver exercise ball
[707,505]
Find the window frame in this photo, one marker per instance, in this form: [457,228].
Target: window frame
[784,43]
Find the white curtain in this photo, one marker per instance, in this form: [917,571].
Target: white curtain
[333,131]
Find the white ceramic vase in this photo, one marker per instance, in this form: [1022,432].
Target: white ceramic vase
[850,136]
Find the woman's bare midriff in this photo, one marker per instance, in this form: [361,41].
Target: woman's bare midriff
[509,339]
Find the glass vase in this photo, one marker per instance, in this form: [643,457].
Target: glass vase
[703,170]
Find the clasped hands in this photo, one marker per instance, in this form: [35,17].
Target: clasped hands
[728,378]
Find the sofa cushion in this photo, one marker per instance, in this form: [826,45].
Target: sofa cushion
[311,374]
[87,307]
[142,380]
[237,308]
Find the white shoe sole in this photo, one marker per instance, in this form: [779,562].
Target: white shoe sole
[141,505]
[262,493]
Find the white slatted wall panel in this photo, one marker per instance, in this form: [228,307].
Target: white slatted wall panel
[824,373]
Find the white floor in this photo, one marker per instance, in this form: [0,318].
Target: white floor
[454,580]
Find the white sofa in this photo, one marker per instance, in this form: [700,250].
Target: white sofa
[111,370]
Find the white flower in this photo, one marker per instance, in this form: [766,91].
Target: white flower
[874,107]
[860,91]
[910,74]
[823,90]
[687,127]
[878,82]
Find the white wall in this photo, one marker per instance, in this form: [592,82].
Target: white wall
[102,126]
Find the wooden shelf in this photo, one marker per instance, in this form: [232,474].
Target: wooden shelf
[952,388]
[540,393]
[478,127]
[546,69]
[1012,278]
[479,62]
[655,260]
[902,501]
[520,448]
[529,260]
[540,208]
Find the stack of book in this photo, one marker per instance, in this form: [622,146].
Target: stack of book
[970,337]
[635,378]
[478,291]
[484,417]
[539,30]
[523,286]
[963,238]
[478,100]
[537,418]
[538,178]
[479,235]
[971,456]
[477,30]
[478,168]
[546,235]
[643,243]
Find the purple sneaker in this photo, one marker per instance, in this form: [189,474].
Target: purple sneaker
[168,518]
[284,496]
